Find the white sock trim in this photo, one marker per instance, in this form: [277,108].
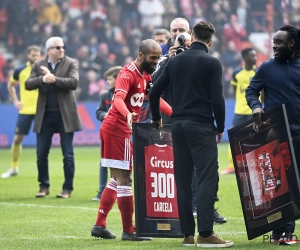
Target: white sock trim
[123,191]
[112,184]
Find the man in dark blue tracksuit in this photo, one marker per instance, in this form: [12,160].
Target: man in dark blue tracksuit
[280,80]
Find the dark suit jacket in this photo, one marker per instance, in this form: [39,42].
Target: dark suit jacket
[67,80]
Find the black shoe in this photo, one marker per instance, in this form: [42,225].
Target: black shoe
[286,238]
[102,232]
[97,197]
[274,237]
[219,219]
[133,237]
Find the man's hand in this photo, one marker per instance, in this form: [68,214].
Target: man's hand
[130,117]
[49,78]
[18,105]
[256,115]
[45,70]
[172,51]
[159,123]
[219,137]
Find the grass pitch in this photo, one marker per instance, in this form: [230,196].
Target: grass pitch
[50,223]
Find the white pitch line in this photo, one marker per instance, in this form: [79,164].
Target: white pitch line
[39,238]
[80,208]
[51,206]
[94,209]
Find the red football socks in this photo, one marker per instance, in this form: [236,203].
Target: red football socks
[107,201]
[125,203]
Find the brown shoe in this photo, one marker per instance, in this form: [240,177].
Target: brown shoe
[42,193]
[188,241]
[64,194]
[213,241]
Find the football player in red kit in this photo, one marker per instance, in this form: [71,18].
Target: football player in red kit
[132,84]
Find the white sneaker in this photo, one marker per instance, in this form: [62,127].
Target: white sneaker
[10,172]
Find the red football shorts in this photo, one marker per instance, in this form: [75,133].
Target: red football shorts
[116,151]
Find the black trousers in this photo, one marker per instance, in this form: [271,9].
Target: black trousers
[195,145]
[194,188]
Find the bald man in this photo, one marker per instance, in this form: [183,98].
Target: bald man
[177,26]
[132,84]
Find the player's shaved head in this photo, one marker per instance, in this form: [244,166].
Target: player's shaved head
[149,54]
[148,45]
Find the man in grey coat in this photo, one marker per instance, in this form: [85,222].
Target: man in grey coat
[56,78]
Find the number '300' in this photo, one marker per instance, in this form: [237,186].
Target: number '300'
[163,185]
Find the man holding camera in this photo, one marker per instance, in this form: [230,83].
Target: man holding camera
[182,42]
[198,100]
[178,26]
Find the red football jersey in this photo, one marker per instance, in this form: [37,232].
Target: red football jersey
[135,84]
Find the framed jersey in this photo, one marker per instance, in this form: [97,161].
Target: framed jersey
[156,210]
[266,172]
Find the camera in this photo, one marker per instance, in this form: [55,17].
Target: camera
[181,47]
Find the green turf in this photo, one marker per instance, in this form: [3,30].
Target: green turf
[51,223]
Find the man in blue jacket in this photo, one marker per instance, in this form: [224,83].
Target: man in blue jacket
[280,80]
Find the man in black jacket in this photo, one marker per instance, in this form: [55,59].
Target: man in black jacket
[218,219]
[104,105]
[195,81]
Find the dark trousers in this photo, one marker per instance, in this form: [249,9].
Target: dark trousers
[290,227]
[194,189]
[53,123]
[102,179]
[195,145]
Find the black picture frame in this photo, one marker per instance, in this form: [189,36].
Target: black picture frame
[266,172]
[150,221]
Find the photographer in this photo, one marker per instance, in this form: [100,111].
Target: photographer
[178,26]
[197,101]
[182,44]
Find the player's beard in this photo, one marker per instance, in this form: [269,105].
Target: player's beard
[146,66]
[284,54]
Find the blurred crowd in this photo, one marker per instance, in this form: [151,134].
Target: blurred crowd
[105,33]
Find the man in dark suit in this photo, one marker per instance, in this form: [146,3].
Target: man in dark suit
[195,81]
[56,78]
